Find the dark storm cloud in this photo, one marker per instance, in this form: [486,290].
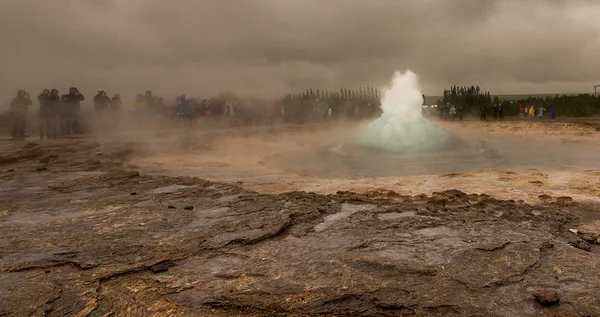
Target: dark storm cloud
[269,47]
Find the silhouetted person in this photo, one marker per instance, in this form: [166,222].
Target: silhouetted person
[495,112]
[54,104]
[500,112]
[149,102]
[552,112]
[18,111]
[101,101]
[101,104]
[482,113]
[71,111]
[45,113]
[116,103]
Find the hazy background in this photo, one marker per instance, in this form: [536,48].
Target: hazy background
[270,47]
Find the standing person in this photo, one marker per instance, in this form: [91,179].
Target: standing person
[208,111]
[18,112]
[115,108]
[116,103]
[541,112]
[531,112]
[500,112]
[149,103]
[101,104]
[495,112]
[552,112]
[54,104]
[71,104]
[452,112]
[230,111]
[46,113]
[482,113]
[183,109]
[521,111]
[101,101]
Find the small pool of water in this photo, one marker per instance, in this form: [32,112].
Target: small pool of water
[471,154]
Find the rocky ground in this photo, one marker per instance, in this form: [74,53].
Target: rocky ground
[85,233]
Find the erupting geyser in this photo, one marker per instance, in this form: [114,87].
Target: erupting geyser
[401,128]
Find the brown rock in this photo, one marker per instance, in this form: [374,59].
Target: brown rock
[581,244]
[588,237]
[564,199]
[546,297]
[162,266]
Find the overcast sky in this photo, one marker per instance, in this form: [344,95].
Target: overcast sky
[270,47]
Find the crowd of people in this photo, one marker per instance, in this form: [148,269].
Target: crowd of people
[61,115]
[529,112]
[451,112]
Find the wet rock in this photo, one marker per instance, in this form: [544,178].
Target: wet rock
[169,189]
[564,200]
[537,183]
[41,168]
[188,207]
[28,153]
[545,197]
[133,193]
[250,254]
[588,237]
[546,297]
[455,193]
[437,201]
[49,158]
[382,193]
[580,244]
[162,266]
[132,174]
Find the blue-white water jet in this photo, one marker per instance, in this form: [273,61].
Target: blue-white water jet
[401,127]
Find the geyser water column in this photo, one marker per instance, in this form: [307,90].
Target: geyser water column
[401,127]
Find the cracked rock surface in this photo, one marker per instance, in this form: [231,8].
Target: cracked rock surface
[76,242]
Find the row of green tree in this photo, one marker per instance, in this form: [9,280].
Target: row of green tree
[468,98]
[363,93]
[471,98]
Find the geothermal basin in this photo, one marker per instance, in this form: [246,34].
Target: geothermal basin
[395,216]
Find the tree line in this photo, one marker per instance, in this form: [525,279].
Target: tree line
[471,98]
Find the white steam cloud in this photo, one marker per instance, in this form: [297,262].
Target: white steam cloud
[401,127]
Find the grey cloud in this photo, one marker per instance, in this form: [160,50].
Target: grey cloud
[271,47]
